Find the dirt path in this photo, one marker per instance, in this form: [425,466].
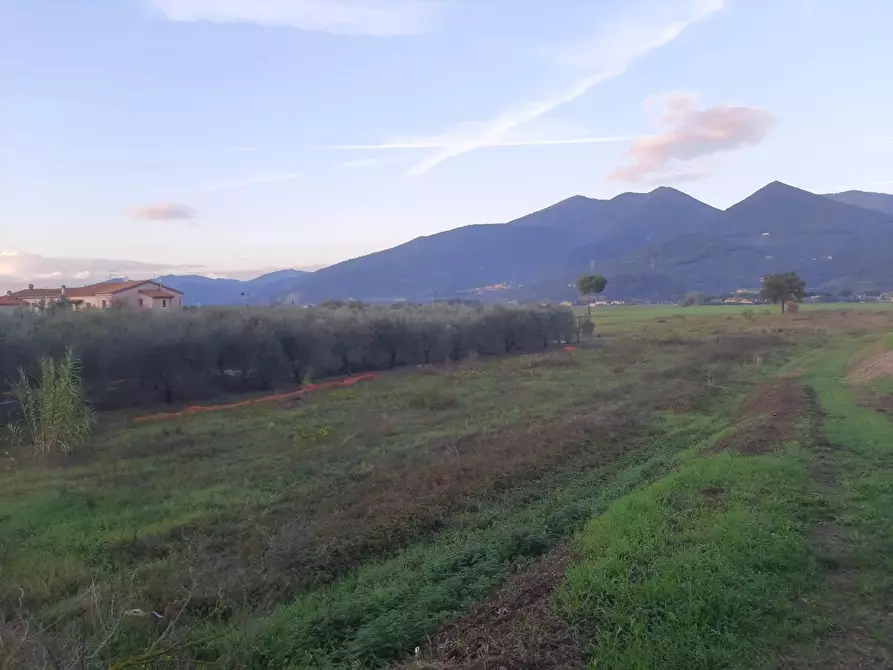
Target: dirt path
[516,628]
[858,635]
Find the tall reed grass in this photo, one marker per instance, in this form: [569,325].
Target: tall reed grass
[55,415]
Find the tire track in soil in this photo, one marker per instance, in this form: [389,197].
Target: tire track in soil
[516,628]
[844,647]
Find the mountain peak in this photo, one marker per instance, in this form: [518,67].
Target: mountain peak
[665,190]
[773,191]
[780,187]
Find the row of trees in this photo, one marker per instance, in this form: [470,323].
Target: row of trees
[134,357]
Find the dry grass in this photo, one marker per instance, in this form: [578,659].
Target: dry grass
[878,365]
[768,419]
[516,627]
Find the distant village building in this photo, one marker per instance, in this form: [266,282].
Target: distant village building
[142,294]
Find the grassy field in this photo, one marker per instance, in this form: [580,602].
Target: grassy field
[690,488]
[609,317]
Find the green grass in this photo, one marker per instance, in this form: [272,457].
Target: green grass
[764,561]
[626,318]
[242,512]
[344,530]
[380,612]
[700,570]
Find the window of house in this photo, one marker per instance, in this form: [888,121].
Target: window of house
[103,304]
[141,302]
[164,303]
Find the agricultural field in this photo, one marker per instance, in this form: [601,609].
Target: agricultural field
[687,488]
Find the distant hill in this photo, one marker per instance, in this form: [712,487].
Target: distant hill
[830,244]
[199,290]
[880,202]
[573,233]
[650,246]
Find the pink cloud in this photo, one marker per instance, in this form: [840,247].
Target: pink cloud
[694,134]
[165,212]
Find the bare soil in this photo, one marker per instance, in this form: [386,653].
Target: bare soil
[880,365]
[768,418]
[516,628]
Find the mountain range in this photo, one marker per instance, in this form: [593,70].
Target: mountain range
[199,290]
[650,246]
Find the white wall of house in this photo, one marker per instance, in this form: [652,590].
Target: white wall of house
[133,298]
[138,300]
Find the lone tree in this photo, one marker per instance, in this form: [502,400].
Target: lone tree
[782,287]
[590,285]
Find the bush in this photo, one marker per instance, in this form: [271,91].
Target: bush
[55,415]
[587,326]
[132,358]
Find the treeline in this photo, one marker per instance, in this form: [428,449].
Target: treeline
[134,357]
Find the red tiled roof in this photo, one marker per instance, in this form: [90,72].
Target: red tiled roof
[104,288]
[157,294]
[9,301]
[37,293]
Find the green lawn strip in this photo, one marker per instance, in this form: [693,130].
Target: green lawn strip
[699,570]
[384,609]
[855,587]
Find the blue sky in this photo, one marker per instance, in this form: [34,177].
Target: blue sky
[240,135]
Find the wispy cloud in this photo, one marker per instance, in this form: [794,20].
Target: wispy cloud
[375,161]
[164,212]
[254,180]
[380,18]
[600,59]
[694,134]
[444,143]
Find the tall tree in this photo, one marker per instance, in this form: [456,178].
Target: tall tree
[590,285]
[782,287]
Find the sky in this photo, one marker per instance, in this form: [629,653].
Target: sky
[230,137]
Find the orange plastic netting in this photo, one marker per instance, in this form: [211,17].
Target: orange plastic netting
[195,409]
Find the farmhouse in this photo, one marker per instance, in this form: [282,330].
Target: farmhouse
[141,294]
[9,304]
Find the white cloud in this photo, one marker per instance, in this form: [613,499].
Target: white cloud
[444,144]
[602,58]
[18,269]
[693,135]
[254,180]
[380,18]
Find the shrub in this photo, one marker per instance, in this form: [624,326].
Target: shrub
[55,415]
[587,326]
